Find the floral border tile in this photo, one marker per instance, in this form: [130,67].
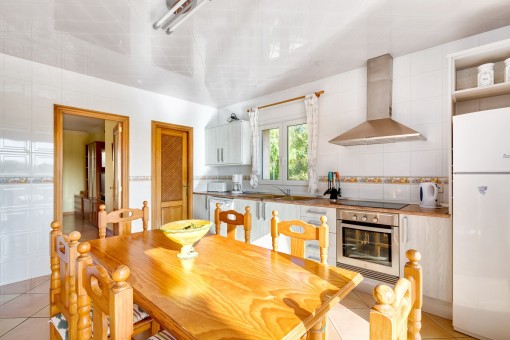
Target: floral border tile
[389,180]
[25,180]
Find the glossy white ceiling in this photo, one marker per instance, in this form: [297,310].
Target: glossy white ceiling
[233,50]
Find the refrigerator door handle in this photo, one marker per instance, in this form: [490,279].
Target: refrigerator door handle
[405,232]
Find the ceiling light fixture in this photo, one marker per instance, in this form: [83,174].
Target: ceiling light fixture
[180,11]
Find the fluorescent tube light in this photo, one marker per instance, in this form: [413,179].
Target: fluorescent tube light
[165,17]
[184,16]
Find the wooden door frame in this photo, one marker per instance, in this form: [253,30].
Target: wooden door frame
[59,111]
[189,131]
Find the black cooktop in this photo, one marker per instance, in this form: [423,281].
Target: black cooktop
[372,204]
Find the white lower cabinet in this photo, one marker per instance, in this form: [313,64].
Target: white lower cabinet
[200,208]
[312,214]
[432,237]
[256,221]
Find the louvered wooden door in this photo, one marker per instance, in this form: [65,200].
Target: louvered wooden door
[171,182]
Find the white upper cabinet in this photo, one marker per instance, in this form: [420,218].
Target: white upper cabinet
[228,144]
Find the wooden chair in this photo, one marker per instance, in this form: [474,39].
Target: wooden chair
[397,312]
[310,232]
[232,223]
[63,305]
[112,298]
[122,219]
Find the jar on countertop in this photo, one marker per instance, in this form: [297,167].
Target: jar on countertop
[486,74]
[507,70]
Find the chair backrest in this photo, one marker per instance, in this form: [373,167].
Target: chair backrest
[233,219]
[111,296]
[397,312]
[298,236]
[63,254]
[122,219]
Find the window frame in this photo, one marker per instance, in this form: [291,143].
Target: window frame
[283,149]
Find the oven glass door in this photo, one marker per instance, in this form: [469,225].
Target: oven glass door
[374,248]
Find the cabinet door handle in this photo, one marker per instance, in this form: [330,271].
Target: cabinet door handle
[222,155]
[218,155]
[206,203]
[320,212]
[259,212]
[264,211]
[405,229]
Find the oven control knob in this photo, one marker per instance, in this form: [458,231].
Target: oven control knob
[375,219]
[354,217]
[364,218]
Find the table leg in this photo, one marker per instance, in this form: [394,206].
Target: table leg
[318,331]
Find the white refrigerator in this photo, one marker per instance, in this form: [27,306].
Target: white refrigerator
[481,223]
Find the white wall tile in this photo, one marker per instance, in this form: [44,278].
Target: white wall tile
[47,75]
[434,135]
[427,163]
[427,60]
[14,270]
[15,140]
[397,164]
[14,164]
[14,217]
[426,111]
[349,165]
[17,68]
[426,85]
[13,246]
[402,67]
[397,192]
[371,191]
[372,164]
[14,114]
[350,190]
[401,89]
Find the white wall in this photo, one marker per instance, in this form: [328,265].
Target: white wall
[420,101]
[28,92]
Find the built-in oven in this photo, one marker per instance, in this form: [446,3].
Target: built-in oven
[368,242]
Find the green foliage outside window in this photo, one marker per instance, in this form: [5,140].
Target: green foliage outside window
[297,152]
[274,157]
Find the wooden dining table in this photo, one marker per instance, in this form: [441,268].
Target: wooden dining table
[231,290]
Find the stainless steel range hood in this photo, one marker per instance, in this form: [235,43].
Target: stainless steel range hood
[379,127]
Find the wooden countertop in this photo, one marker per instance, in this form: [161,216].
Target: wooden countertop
[410,209]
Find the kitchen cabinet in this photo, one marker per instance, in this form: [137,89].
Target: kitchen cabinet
[312,214]
[200,207]
[228,144]
[432,237]
[258,228]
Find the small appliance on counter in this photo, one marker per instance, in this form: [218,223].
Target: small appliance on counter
[428,195]
[217,186]
[333,186]
[237,184]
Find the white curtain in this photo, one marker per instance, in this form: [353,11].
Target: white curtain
[255,147]
[312,120]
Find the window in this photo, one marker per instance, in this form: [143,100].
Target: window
[285,153]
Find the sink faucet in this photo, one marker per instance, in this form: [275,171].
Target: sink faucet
[286,192]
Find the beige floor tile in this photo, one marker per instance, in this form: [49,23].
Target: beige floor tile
[367,298]
[22,287]
[8,324]
[7,297]
[431,330]
[24,305]
[332,333]
[446,325]
[351,324]
[351,301]
[31,329]
[43,288]
[43,313]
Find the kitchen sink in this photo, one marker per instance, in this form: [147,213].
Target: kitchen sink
[262,194]
[296,198]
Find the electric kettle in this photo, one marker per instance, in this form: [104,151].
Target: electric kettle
[428,194]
